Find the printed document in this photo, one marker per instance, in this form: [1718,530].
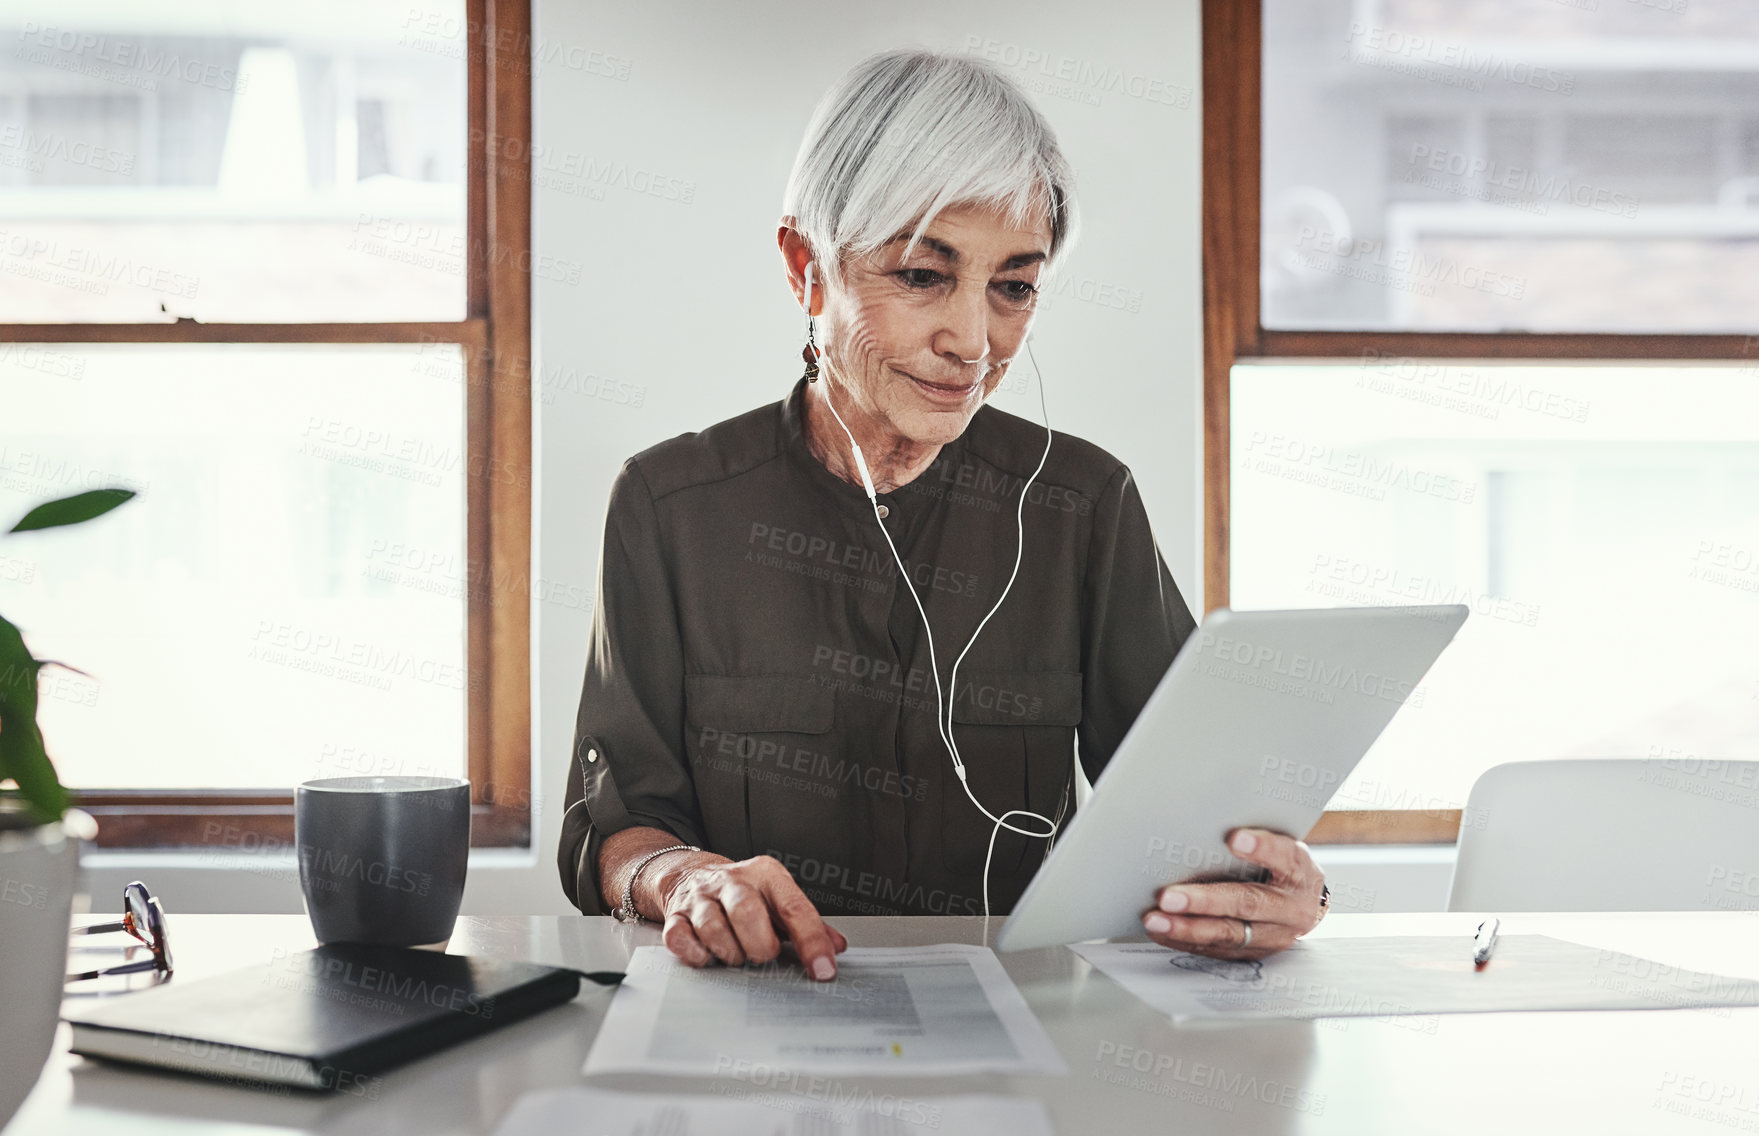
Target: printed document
[1391,976]
[915,1011]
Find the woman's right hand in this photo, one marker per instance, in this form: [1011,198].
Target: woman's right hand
[739,911]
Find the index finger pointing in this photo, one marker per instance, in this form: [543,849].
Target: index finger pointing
[811,938]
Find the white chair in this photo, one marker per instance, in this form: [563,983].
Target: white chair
[1611,834]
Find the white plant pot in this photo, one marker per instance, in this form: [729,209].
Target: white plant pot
[39,867]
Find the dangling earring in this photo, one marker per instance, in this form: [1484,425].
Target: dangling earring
[810,352]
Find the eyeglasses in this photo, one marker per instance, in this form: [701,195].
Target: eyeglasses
[143,918]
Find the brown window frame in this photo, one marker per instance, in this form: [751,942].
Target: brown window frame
[495,339]
[1233,47]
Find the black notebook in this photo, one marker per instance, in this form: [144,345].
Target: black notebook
[320,1019]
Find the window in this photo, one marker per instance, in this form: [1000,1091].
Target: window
[1480,315]
[1601,523]
[299,168]
[1500,165]
[266,268]
[292,565]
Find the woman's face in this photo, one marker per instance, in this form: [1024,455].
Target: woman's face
[920,342]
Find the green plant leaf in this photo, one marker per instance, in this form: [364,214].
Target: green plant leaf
[22,757]
[72,510]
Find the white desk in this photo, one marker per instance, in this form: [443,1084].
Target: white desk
[1503,1074]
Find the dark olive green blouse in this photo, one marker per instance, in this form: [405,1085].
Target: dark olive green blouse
[758,681]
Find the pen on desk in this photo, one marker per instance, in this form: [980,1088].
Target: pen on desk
[1485,941]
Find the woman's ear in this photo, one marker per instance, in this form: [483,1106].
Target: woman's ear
[796,255]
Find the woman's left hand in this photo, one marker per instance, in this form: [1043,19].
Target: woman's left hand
[1234,919]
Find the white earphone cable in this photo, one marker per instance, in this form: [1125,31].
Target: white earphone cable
[944,712]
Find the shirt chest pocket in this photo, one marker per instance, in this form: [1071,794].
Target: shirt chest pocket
[749,738]
[1016,733]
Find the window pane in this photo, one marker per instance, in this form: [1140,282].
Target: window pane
[285,598]
[1511,165]
[232,162]
[1601,523]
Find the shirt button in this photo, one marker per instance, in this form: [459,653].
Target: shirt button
[592,755]
[883,512]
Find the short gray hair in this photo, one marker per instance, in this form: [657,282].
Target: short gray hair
[908,133]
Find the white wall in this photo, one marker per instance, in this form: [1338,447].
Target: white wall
[664,133]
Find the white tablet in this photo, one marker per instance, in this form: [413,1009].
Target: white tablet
[1257,723]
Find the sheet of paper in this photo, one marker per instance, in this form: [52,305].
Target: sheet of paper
[608,1113]
[1381,977]
[912,1011]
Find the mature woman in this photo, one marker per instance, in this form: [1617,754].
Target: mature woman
[758,739]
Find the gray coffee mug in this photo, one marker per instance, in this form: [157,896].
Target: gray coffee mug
[382,859]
